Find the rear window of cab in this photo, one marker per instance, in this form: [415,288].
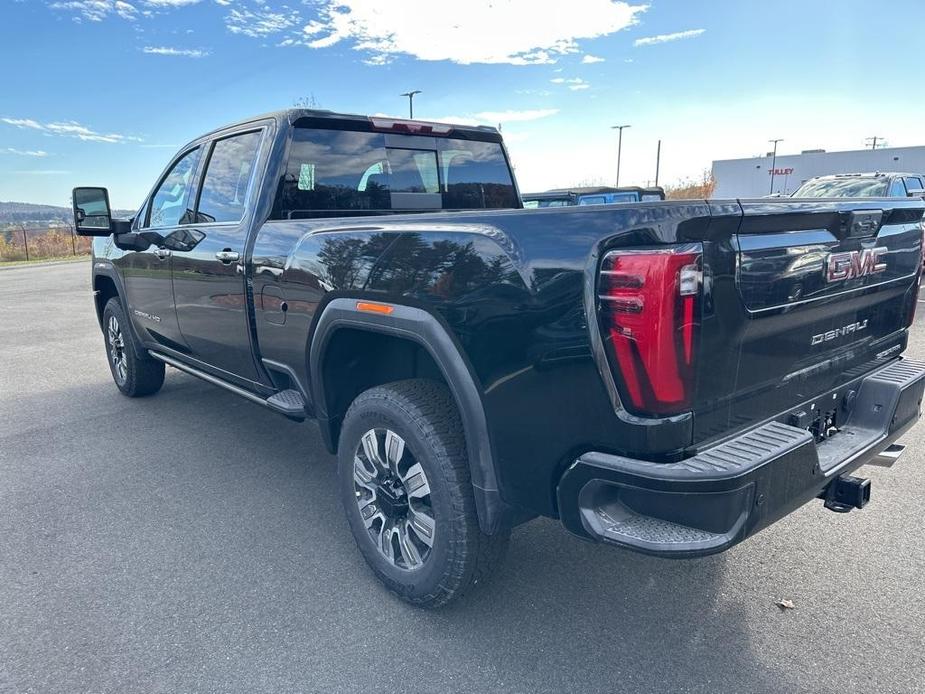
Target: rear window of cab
[347,173]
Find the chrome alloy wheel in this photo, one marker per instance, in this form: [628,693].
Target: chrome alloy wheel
[393,495]
[117,349]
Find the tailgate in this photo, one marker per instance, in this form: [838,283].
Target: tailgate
[807,296]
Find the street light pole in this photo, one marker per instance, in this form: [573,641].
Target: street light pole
[619,128]
[410,96]
[658,161]
[774,162]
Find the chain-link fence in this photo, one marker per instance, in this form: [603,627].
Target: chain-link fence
[38,243]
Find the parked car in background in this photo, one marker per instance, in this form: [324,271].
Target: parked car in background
[880,184]
[597,195]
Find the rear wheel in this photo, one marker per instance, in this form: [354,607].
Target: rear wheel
[134,376]
[405,484]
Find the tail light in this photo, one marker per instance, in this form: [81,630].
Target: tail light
[910,317]
[412,127]
[650,319]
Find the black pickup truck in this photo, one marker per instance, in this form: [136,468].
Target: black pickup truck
[668,377]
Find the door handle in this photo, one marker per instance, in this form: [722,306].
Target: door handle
[162,253]
[227,256]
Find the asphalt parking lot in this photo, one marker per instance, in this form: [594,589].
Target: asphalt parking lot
[192,542]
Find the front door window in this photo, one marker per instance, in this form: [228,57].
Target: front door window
[170,203]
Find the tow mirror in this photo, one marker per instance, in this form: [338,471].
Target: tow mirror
[92,215]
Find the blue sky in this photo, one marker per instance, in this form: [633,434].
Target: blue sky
[102,92]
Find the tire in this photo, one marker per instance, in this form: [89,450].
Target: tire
[432,561]
[135,376]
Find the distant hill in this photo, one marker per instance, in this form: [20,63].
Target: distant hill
[28,213]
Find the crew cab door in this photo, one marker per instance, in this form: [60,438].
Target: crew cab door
[209,280]
[147,274]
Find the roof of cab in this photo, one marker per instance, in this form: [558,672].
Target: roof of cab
[293,115]
[867,174]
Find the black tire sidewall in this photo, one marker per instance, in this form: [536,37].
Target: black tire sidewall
[114,308]
[143,375]
[388,413]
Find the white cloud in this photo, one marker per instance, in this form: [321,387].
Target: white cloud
[69,129]
[23,123]
[515,32]
[495,117]
[182,52]
[507,116]
[665,38]
[588,59]
[27,152]
[98,10]
[575,83]
[261,21]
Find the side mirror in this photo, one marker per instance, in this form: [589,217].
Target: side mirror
[131,241]
[92,215]
[915,192]
[183,240]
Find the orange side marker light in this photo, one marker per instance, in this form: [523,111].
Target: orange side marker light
[370,307]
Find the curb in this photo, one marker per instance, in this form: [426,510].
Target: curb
[44,263]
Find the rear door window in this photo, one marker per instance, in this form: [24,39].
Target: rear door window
[228,178]
[913,183]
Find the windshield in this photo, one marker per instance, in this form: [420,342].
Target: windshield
[842,188]
[349,173]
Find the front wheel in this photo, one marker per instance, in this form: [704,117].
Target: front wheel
[134,376]
[404,480]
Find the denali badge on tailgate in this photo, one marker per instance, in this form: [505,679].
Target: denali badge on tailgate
[844,266]
[839,332]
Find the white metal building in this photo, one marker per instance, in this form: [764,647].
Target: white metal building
[751,178]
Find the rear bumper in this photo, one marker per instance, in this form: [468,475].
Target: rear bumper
[707,503]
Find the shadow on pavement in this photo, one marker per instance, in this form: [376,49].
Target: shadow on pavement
[168,536]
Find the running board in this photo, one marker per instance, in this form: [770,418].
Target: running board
[286,402]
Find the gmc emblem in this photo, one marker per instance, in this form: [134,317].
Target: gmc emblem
[844,266]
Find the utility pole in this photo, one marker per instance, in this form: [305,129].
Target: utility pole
[25,240]
[774,162]
[410,96]
[872,141]
[619,147]
[658,159]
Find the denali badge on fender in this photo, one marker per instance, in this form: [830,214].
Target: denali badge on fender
[844,266]
[839,332]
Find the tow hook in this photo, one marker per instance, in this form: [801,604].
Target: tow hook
[845,493]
